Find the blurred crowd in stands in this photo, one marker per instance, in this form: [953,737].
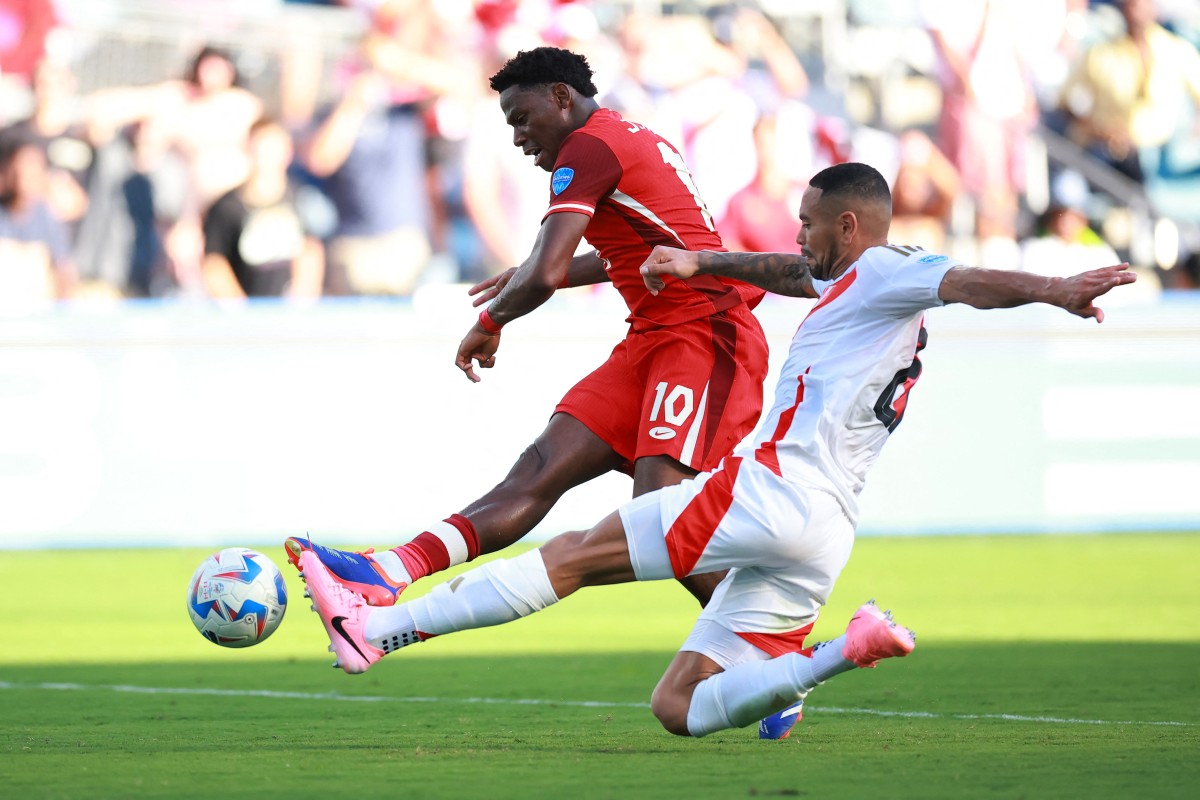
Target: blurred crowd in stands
[1047,135]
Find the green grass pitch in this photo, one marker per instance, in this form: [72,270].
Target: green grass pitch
[1054,666]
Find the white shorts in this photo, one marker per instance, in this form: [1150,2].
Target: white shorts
[784,546]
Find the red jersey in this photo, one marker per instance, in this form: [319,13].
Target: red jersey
[639,194]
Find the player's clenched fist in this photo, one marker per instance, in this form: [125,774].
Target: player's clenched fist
[668,261]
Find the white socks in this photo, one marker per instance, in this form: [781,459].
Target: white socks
[750,691]
[392,566]
[827,659]
[504,590]
[499,591]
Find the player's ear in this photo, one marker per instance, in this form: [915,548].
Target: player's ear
[561,94]
[848,221]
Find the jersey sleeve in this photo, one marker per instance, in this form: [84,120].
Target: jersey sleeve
[906,284]
[586,172]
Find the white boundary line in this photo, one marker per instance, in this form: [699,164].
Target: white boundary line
[517,701]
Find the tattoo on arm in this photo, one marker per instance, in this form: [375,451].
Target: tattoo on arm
[781,273]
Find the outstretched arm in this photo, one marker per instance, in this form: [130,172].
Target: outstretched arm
[527,288]
[994,288]
[586,269]
[781,273]
[543,272]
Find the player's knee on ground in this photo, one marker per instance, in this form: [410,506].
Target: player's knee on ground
[670,706]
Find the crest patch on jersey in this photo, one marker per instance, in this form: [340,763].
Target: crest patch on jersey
[561,179]
[933,259]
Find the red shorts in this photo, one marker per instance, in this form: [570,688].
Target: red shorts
[691,391]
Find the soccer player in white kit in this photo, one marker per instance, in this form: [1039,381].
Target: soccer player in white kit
[779,513]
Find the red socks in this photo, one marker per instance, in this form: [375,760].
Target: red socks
[448,543]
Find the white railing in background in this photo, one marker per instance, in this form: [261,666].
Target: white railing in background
[148,423]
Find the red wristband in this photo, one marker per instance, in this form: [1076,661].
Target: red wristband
[488,324]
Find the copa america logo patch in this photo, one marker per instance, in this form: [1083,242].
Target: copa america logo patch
[561,179]
[933,259]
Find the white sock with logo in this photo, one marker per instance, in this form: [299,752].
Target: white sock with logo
[828,660]
[497,592]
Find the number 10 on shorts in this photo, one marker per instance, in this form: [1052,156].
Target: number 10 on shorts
[674,403]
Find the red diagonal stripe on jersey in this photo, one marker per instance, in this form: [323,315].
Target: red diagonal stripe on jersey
[766,454]
[694,528]
[834,293]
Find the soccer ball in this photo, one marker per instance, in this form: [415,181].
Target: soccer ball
[236,597]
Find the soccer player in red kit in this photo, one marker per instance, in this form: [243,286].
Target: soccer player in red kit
[675,396]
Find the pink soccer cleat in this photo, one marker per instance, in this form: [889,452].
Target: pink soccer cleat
[872,636]
[342,612]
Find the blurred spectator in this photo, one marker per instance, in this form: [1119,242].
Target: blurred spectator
[78,190]
[201,122]
[211,116]
[769,68]
[35,259]
[700,105]
[1126,97]
[1055,34]
[256,241]
[205,117]
[55,125]
[138,190]
[303,64]
[415,157]
[1186,275]
[923,193]
[372,149]
[1065,244]
[372,154]
[24,25]
[988,109]
[742,68]
[502,195]
[762,216]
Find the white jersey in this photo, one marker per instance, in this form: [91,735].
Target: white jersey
[851,365]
